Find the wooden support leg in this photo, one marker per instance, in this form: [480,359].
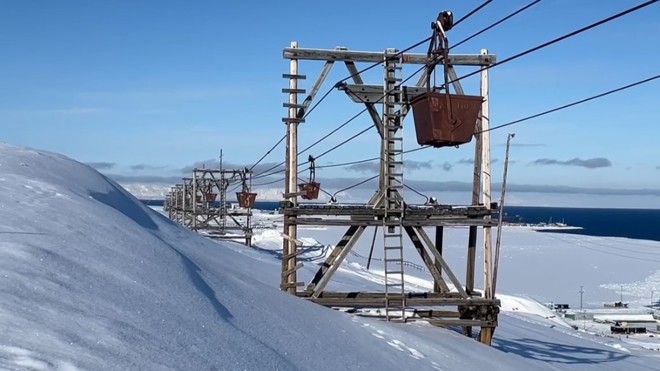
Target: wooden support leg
[439,232]
[333,260]
[486,335]
[433,268]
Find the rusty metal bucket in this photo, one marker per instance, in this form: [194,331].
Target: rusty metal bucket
[198,198]
[432,120]
[246,199]
[311,190]
[210,196]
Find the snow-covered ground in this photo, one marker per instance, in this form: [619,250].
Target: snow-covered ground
[91,279]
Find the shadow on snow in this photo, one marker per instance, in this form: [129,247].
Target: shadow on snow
[557,353]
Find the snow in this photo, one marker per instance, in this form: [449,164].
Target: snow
[92,279]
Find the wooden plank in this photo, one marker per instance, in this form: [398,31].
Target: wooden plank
[431,313]
[371,94]
[411,223]
[362,56]
[291,255]
[461,322]
[381,295]
[410,302]
[291,285]
[298,266]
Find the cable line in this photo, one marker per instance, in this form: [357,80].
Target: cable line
[496,23]
[474,11]
[268,152]
[558,39]
[470,14]
[573,103]
[416,191]
[354,185]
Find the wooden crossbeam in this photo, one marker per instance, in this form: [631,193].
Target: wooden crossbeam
[362,56]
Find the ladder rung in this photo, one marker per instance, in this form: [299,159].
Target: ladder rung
[293,119]
[392,235]
[393,260]
[296,77]
[297,91]
[393,247]
[394,272]
[292,105]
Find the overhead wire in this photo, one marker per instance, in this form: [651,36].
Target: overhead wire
[527,118]
[338,83]
[398,54]
[495,24]
[417,192]
[354,185]
[625,87]
[261,174]
[473,12]
[268,152]
[516,56]
[557,39]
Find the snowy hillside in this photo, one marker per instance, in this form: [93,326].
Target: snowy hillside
[93,280]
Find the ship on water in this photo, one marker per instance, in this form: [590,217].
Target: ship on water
[518,222]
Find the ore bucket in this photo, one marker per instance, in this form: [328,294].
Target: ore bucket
[246,199]
[310,189]
[433,122]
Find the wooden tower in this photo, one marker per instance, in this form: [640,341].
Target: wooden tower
[387,209]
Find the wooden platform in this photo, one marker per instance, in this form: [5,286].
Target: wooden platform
[420,306]
[377,299]
[367,215]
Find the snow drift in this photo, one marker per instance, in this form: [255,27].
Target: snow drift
[92,279]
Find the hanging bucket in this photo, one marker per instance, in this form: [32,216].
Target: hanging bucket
[246,199]
[432,120]
[198,198]
[310,189]
[210,196]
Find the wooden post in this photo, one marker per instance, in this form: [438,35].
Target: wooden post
[498,240]
[486,182]
[291,181]
[476,193]
[194,200]
[439,234]
[486,333]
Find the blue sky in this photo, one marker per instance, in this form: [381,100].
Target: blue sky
[145,89]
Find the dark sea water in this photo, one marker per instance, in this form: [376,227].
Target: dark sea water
[631,223]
